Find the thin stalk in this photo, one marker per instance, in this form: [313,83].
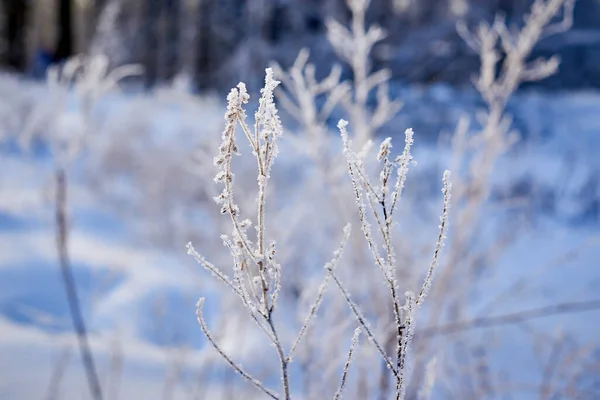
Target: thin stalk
[62,239]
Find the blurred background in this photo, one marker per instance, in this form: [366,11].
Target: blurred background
[106,173]
[219,43]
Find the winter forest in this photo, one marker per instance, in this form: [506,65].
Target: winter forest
[299,199]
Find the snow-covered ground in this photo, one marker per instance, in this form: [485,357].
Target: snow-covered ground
[140,193]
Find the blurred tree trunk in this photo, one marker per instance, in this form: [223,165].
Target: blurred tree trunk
[64,47]
[168,37]
[188,35]
[97,11]
[152,14]
[16,17]
[98,7]
[172,61]
[84,25]
[203,69]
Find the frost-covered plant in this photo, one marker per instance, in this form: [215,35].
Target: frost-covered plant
[353,45]
[302,93]
[256,271]
[67,133]
[504,56]
[382,203]
[504,53]
[67,129]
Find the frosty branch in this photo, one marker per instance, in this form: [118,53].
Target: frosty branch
[256,272]
[382,210]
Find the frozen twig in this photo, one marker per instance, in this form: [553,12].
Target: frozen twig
[216,272]
[439,244]
[330,267]
[364,324]
[232,363]
[62,240]
[338,393]
[509,319]
[403,316]
[428,383]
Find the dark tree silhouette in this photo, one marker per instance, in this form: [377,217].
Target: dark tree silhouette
[64,47]
[15,32]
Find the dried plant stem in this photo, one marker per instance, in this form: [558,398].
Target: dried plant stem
[261,249]
[212,268]
[389,269]
[312,312]
[115,373]
[283,361]
[264,148]
[508,319]
[58,372]
[330,266]
[232,363]
[403,316]
[225,279]
[338,393]
[62,240]
[264,158]
[546,387]
[363,323]
[439,244]
[230,204]
[400,328]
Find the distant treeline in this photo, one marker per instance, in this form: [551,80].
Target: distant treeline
[219,42]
